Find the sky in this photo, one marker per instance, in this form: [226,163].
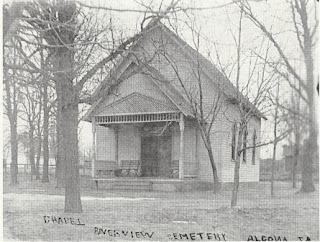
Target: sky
[217,25]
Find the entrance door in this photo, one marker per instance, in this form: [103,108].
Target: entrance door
[149,156]
[155,156]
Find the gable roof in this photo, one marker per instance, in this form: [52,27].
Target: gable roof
[180,104]
[207,67]
[220,80]
[169,90]
[136,103]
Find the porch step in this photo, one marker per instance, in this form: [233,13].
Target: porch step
[140,185]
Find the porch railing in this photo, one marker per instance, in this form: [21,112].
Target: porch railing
[137,118]
[134,168]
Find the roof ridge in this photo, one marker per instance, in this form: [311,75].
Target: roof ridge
[225,79]
[190,51]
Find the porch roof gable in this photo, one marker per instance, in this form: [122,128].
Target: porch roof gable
[136,103]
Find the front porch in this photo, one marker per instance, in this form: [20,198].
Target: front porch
[151,184]
[139,139]
[148,149]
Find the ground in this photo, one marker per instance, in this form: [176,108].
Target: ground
[163,215]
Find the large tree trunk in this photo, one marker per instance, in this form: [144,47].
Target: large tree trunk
[39,146]
[32,151]
[312,144]
[68,99]
[45,176]
[236,178]
[297,130]
[60,164]
[38,155]
[12,110]
[294,173]
[69,118]
[307,166]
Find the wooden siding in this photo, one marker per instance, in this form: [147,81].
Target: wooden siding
[129,139]
[184,65]
[217,143]
[248,171]
[137,83]
[190,161]
[105,143]
[221,131]
[129,143]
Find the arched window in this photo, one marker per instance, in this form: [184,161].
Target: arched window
[245,137]
[254,141]
[233,142]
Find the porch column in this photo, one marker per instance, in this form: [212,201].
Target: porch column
[181,154]
[93,146]
[116,130]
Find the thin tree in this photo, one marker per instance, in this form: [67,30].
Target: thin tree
[275,137]
[258,76]
[61,27]
[29,113]
[11,107]
[204,109]
[305,28]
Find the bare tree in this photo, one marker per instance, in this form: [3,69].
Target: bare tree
[294,111]
[205,109]
[72,38]
[305,28]
[29,112]
[248,100]
[278,120]
[39,135]
[11,106]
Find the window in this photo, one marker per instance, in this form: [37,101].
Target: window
[245,136]
[254,140]
[233,142]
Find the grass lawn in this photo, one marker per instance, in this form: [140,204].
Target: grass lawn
[162,216]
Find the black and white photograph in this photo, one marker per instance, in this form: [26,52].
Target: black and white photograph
[160,120]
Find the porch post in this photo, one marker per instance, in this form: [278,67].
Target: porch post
[117,145]
[181,154]
[93,146]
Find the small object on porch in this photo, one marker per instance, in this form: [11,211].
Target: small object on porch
[105,168]
[175,168]
[130,167]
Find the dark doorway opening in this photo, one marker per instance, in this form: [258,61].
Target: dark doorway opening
[156,156]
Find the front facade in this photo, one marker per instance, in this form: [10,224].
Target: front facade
[142,118]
